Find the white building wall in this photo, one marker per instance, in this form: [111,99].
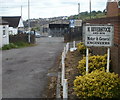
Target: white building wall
[1,32]
[13,31]
[5,35]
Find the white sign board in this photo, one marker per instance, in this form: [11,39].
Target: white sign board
[98,35]
[75,23]
[78,23]
[72,23]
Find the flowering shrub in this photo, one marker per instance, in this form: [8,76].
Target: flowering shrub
[81,48]
[97,84]
[95,62]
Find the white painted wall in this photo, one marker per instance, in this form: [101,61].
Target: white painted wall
[13,31]
[1,32]
[4,36]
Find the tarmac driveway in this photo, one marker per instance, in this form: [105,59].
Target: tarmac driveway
[24,71]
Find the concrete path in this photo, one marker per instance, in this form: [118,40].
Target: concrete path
[25,70]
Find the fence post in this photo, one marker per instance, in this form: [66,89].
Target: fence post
[63,57]
[63,73]
[65,89]
[87,52]
[73,44]
[67,47]
[64,52]
[108,59]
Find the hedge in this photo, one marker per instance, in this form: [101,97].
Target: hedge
[97,84]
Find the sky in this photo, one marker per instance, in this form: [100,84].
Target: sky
[48,8]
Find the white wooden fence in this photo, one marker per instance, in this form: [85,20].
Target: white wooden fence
[64,82]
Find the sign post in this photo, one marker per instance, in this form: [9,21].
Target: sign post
[87,54]
[98,36]
[108,59]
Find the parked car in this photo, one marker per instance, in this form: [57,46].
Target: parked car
[37,35]
[27,32]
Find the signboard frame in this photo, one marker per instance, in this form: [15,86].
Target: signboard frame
[90,37]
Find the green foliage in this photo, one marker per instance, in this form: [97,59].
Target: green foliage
[22,44]
[95,62]
[81,48]
[9,46]
[97,84]
[86,15]
[35,29]
[15,45]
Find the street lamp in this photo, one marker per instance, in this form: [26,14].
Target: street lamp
[78,10]
[29,21]
[90,8]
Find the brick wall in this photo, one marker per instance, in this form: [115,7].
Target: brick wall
[115,50]
[112,9]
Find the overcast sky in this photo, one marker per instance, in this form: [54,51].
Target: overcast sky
[47,8]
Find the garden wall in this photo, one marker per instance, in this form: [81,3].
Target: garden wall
[21,38]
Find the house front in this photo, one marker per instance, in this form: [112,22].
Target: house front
[15,24]
[4,33]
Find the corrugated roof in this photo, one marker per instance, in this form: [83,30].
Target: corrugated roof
[13,21]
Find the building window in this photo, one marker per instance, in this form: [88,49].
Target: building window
[4,33]
[3,27]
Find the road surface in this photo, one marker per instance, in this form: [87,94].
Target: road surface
[25,70]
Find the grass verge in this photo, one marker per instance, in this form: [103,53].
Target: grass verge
[16,45]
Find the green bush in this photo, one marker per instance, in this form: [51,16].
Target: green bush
[22,44]
[12,45]
[16,45]
[98,84]
[81,48]
[95,62]
[9,46]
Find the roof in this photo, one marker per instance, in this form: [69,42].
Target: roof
[3,22]
[13,21]
[58,25]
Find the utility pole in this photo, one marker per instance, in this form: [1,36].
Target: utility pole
[90,9]
[21,11]
[78,10]
[29,21]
